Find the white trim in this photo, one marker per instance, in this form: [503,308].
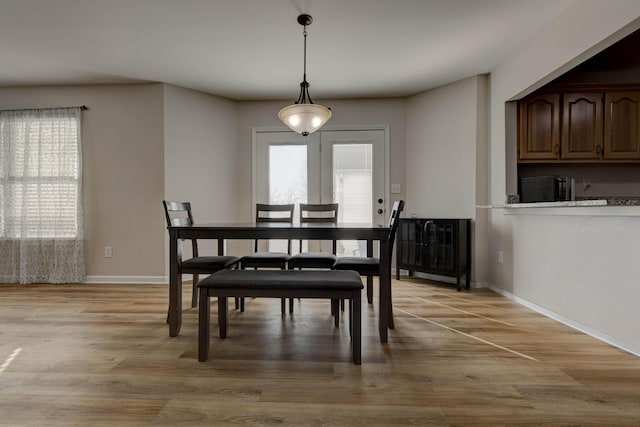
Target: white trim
[151,280]
[446,279]
[569,322]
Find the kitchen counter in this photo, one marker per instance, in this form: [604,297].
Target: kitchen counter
[616,201]
[575,203]
[580,202]
[605,206]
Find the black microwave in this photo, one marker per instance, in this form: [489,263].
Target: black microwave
[545,189]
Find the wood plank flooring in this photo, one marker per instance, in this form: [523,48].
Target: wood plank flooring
[101,355]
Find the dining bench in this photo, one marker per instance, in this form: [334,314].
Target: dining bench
[325,284]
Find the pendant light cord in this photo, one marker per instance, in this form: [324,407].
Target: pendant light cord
[304,32]
[304,97]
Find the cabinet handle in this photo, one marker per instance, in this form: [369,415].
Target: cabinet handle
[598,149]
[557,148]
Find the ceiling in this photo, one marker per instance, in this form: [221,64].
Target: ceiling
[253,49]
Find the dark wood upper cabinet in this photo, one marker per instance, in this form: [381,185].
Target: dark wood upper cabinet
[595,125]
[581,126]
[539,127]
[622,125]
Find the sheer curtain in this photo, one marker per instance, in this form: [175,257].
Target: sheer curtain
[41,226]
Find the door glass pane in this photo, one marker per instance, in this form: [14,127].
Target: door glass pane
[287,182]
[352,189]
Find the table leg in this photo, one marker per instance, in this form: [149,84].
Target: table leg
[175,285]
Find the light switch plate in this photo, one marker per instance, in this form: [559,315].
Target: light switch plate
[395,188]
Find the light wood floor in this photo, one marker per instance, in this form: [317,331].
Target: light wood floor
[100,355]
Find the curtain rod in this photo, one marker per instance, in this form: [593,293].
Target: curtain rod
[82,107]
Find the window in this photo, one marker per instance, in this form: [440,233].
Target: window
[41,226]
[39,174]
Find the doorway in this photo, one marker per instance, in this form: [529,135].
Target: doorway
[348,167]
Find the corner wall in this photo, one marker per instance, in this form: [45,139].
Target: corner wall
[200,158]
[446,158]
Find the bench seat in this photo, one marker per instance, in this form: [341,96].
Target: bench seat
[326,284]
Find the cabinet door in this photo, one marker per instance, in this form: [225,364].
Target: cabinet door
[582,126]
[410,243]
[539,127]
[440,246]
[622,125]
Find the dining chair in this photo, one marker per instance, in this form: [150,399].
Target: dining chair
[369,266]
[269,213]
[179,214]
[315,213]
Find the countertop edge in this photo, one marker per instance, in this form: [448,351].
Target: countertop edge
[569,204]
[594,208]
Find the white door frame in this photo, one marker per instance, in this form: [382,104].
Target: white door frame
[265,129]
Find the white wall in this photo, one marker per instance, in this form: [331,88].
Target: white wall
[441,151]
[583,268]
[446,136]
[580,267]
[200,156]
[122,172]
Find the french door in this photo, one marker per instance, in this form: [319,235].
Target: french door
[344,167]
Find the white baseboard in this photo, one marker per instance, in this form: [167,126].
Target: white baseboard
[569,322]
[149,280]
[446,279]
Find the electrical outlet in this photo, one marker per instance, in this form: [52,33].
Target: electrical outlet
[108,251]
[395,188]
[500,257]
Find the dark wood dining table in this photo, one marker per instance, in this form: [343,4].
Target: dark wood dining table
[306,231]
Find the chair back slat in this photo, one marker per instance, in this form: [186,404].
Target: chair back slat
[178,214]
[274,213]
[181,222]
[317,213]
[327,212]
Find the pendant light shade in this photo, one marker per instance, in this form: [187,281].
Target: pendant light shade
[304,116]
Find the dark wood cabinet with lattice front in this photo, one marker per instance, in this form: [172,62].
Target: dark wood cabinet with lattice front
[435,246]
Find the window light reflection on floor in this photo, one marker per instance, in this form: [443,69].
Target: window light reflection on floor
[7,362]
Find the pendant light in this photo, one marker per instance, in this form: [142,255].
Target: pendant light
[304,116]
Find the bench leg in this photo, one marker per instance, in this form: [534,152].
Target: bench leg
[335,312]
[203,326]
[370,289]
[356,343]
[222,316]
